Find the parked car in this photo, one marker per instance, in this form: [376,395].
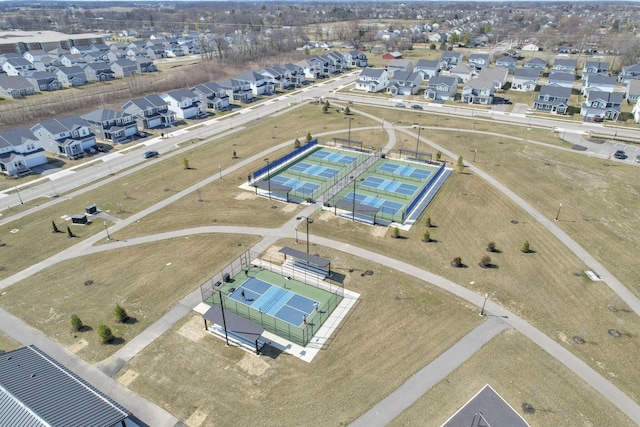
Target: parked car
[151,154]
[598,119]
[620,155]
[417,106]
[400,104]
[637,158]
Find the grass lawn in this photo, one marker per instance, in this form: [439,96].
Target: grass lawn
[147,280]
[7,344]
[520,372]
[399,325]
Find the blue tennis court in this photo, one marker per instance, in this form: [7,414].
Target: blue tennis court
[274,301]
[386,206]
[388,185]
[306,168]
[328,156]
[405,170]
[296,184]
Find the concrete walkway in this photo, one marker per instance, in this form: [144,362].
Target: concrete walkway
[423,380]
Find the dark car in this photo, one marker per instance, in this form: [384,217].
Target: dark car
[620,154]
[151,154]
[417,106]
[598,119]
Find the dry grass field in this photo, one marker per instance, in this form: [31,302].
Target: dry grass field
[147,280]
[7,344]
[514,367]
[399,324]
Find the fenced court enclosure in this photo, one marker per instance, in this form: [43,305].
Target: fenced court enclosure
[292,304]
[356,183]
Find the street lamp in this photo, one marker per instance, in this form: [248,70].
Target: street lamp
[107,230]
[418,140]
[309,221]
[350,120]
[220,170]
[558,214]
[475,151]
[297,242]
[353,207]
[19,197]
[268,177]
[483,304]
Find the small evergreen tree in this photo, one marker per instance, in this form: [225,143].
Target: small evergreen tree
[426,237]
[428,222]
[485,261]
[347,111]
[185,163]
[525,247]
[325,107]
[438,156]
[234,155]
[120,313]
[457,262]
[76,323]
[296,143]
[491,247]
[327,104]
[309,137]
[70,233]
[105,334]
[460,164]
[396,232]
[55,227]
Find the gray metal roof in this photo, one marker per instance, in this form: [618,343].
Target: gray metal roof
[35,390]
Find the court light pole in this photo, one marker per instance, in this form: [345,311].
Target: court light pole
[350,120]
[107,230]
[353,206]
[268,177]
[297,242]
[558,214]
[309,221]
[418,140]
[483,304]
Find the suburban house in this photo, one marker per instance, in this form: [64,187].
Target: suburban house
[17,66]
[150,112]
[442,87]
[595,67]
[31,386]
[562,79]
[399,65]
[145,65]
[450,59]
[428,68]
[498,76]
[71,76]
[565,65]
[259,84]
[630,72]
[185,104]
[632,91]
[404,83]
[99,72]
[554,99]
[295,74]
[525,79]
[507,62]
[355,58]
[155,51]
[372,79]
[124,68]
[72,59]
[96,57]
[338,60]
[15,87]
[310,68]
[80,50]
[110,125]
[43,81]
[392,55]
[237,90]
[536,64]
[19,152]
[35,55]
[599,83]
[531,47]
[113,55]
[636,112]
[463,72]
[478,91]
[604,105]
[324,65]
[478,61]
[213,96]
[67,136]
[47,64]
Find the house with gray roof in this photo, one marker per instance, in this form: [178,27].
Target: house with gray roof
[110,125]
[479,61]
[599,83]
[99,72]
[525,79]
[507,62]
[372,79]
[213,96]
[632,91]
[450,59]
[15,87]
[630,72]
[428,68]
[442,87]
[463,72]
[278,76]
[67,136]
[605,105]
[355,58]
[553,99]
[37,391]
[562,79]
[565,65]
[404,83]
[17,66]
[72,59]
[49,64]
[71,76]
[150,112]
[259,84]
[35,55]
[124,68]
[19,152]
[536,64]
[595,67]
[399,65]
[237,90]
[478,91]
[185,104]
[43,81]
[145,65]
[499,76]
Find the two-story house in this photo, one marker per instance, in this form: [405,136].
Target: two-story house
[632,91]
[237,90]
[67,136]
[355,58]
[499,76]
[43,81]
[99,72]
[462,72]
[554,99]
[507,62]
[630,72]
[185,104]
[372,80]
[17,67]
[538,64]
[72,60]
[124,68]
[478,61]
[428,68]
[602,105]
[599,83]
[450,59]
[259,84]
[20,151]
[478,91]
[15,87]
[110,125]
[213,96]
[48,64]
[150,112]
[525,79]
[278,76]
[296,74]
[561,79]
[565,65]
[404,83]
[71,76]
[442,87]
[595,67]
[399,65]
[35,55]
[145,65]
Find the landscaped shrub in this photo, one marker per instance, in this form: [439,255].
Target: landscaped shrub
[76,323]
[105,334]
[491,247]
[485,261]
[55,227]
[396,232]
[525,247]
[120,313]
[428,222]
[426,237]
[457,262]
